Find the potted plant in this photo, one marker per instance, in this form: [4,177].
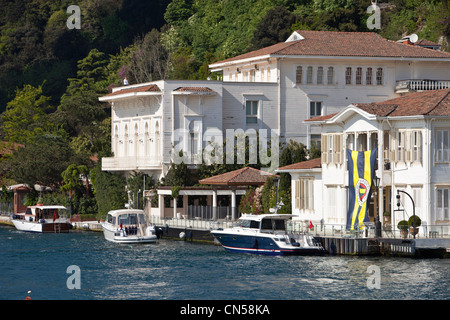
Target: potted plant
[403,227]
[417,222]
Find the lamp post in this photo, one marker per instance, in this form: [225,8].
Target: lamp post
[376,183]
[414,209]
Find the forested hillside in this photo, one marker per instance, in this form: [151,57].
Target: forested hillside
[51,76]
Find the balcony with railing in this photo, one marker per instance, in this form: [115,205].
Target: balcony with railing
[131,163]
[412,85]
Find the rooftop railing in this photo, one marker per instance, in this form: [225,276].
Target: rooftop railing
[409,85]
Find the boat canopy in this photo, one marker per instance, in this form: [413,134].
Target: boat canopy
[264,221]
[47,209]
[126,217]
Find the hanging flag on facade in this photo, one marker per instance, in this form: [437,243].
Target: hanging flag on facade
[361,170]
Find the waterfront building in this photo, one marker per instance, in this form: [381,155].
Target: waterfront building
[412,136]
[276,88]
[216,198]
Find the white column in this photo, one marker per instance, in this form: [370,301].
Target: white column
[214,204]
[175,207]
[161,205]
[233,204]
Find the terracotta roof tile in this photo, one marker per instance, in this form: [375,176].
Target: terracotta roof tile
[308,164]
[241,177]
[322,118]
[147,88]
[427,103]
[336,43]
[433,103]
[194,89]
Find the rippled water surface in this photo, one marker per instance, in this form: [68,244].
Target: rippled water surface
[179,270]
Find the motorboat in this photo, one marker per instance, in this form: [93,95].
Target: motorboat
[128,226]
[266,234]
[43,219]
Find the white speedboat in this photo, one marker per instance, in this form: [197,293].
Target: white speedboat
[266,234]
[128,226]
[43,219]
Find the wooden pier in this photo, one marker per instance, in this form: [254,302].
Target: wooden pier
[349,246]
[418,248]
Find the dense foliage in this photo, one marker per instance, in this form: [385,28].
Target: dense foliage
[51,76]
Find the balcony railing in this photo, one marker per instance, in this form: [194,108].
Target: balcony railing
[403,86]
[130,163]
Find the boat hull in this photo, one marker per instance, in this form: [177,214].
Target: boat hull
[262,245]
[114,236]
[47,227]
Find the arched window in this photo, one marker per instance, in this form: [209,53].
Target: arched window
[147,140]
[379,76]
[125,142]
[299,75]
[136,140]
[330,75]
[320,75]
[157,141]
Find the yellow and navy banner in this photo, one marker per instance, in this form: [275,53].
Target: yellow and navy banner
[361,170]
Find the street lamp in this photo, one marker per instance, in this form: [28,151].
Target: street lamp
[376,183]
[414,209]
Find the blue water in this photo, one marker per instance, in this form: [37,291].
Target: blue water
[177,270]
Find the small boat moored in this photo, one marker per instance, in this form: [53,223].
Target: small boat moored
[128,226]
[43,219]
[266,234]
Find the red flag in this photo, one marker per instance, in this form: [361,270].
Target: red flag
[310,225]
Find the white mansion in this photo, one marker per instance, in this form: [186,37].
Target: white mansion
[277,88]
[412,135]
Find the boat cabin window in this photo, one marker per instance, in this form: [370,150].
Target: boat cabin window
[48,213]
[127,219]
[141,218]
[248,224]
[111,219]
[273,224]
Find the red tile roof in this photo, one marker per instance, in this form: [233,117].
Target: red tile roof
[308,164]
[147,88]
[432,103]
[335,43]
[242,177]
[322,118]
[427,103]
[194,89]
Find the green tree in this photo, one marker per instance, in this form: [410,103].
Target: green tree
[178,11]
[91,74]
[72,178]
[109,189]
[41,162]
[275,27]
[80,113]
[136,184]
[26,115]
